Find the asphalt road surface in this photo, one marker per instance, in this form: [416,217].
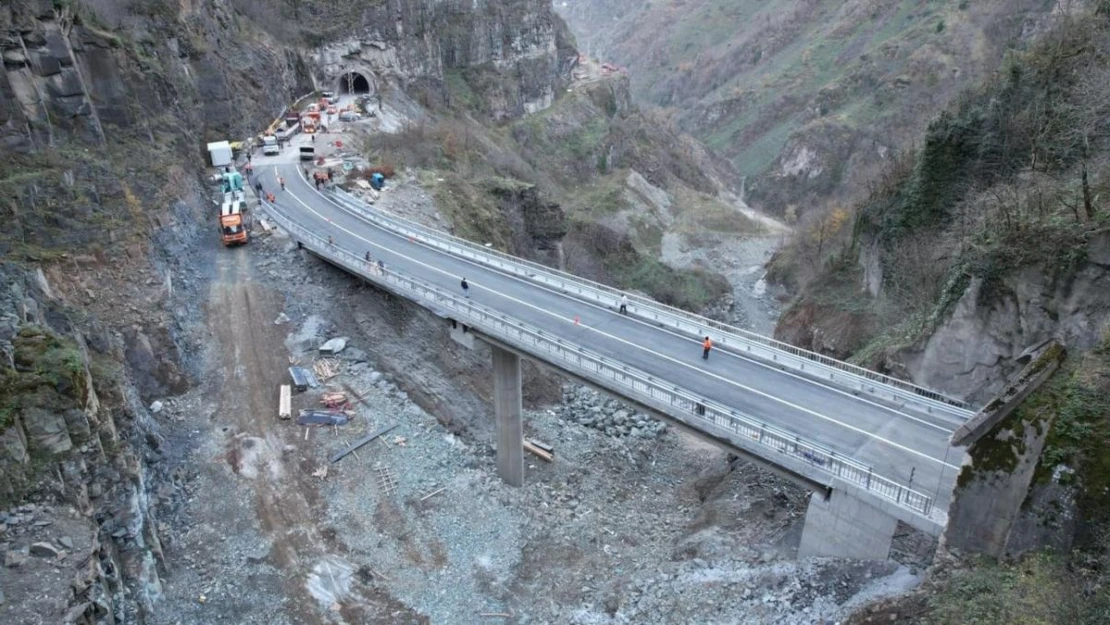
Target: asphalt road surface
[899,446]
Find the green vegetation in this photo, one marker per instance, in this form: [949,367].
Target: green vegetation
[1015,174]
[1078,397]
[689,290]
[570,162]
[749,77]
[1038,590]
[473,210]
[44,363]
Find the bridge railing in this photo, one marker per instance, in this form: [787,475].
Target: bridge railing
[837,372]
[697,412]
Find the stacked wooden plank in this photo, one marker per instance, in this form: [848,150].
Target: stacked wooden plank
[285,403]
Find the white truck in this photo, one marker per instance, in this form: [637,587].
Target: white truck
[270,145]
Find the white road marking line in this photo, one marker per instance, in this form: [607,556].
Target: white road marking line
[731,354]
[619,339]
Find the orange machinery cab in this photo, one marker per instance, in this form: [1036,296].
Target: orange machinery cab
[310,124]
[233,224]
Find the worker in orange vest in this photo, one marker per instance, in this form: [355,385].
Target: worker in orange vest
[707,345]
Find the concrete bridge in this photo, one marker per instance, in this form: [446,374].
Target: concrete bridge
[874,450]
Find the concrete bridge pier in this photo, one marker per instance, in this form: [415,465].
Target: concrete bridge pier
[843,526]
[507,411]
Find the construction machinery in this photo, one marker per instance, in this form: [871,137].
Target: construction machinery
[234,219]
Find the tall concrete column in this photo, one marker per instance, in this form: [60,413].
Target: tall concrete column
[507,409]
[844,526]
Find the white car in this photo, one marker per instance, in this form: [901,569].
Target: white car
[349,116]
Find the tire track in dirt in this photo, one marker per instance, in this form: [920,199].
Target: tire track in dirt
[253,356]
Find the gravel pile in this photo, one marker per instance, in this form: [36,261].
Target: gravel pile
[585,406]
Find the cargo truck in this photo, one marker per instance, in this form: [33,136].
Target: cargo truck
[270,145]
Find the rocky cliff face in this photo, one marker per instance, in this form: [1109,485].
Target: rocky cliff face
[515,55]
[86,71]
[105,109]
[974,352]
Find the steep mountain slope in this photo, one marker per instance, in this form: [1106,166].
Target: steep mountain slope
[105,109]
[806,97]
[968,255]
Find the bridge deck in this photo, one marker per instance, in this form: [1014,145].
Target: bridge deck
[893,442]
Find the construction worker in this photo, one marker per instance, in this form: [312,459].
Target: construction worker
[249,168]
[706,346]
[465,287]
[624,304]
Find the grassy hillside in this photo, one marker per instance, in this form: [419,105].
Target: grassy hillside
[590,184]
[1008,189]
[1015,174]
[805,97]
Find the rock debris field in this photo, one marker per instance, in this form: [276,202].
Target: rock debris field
[632,521]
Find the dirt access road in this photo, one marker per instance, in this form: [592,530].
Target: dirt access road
[240,315]
[255,548]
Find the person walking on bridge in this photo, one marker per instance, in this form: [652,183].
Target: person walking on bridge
[706,346]
[624,304]
[465,288]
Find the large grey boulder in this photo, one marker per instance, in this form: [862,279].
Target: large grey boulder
[334,346]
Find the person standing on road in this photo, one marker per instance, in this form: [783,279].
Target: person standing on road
[465,288]
[281,181]
[624,304]
[706,346]
[258,188]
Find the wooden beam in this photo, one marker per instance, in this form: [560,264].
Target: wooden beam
[537,451]
[285,403]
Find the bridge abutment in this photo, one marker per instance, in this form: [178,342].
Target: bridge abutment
[843,526]
[507,411]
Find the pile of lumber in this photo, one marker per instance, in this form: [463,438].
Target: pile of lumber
[325,368]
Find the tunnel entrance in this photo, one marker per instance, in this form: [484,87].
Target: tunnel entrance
[353,83]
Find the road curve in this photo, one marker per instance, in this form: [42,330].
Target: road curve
[898,446]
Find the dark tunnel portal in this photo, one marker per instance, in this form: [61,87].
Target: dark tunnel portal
[354,83]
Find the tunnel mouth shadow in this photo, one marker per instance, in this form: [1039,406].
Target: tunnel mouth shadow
[353,83]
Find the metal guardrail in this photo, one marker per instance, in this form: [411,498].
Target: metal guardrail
[679,403]
[725,336]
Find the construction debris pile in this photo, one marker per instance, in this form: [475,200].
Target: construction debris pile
[587,407]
